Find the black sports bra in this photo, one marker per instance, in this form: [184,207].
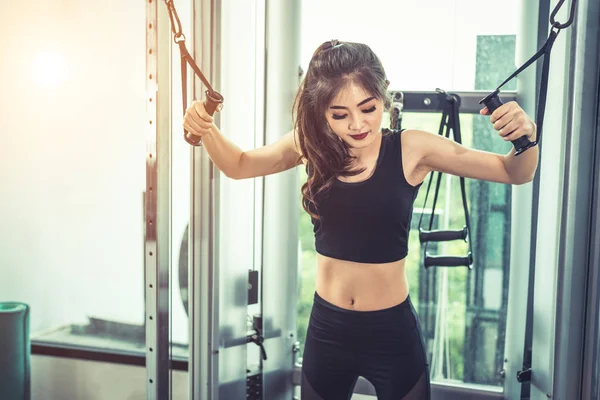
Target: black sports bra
[368,221]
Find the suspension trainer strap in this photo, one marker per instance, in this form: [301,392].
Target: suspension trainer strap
[541,107]
[214,100]
[545,51]
[449,122]
[463,190]
[441,133]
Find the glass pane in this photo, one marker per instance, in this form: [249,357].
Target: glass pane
[422,45]
[73,127]
[463,313]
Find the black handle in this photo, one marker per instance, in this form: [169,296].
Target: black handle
[492,102]
[524,376]
[263,352]
[258,340]
[213,102]
[448,261]
[442,236]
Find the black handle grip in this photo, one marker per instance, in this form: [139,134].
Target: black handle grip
[442,236]
[448,261]
[492,102]
[213,102]
[524,376]
[263,352]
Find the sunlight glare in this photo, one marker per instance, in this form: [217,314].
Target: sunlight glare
[49,69]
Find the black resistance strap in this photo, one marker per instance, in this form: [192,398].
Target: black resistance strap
[492,101]
[450,121]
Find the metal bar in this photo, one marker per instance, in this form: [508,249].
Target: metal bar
[280,215]
[575,242]
[203,262]
[546,275]
[591,359]
[158,206]
[521,217]
[150,204]
[260,111]
[432,101]
[163,191]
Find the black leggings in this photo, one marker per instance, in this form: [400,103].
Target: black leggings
[385,347]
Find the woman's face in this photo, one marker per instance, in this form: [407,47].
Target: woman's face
[355,116]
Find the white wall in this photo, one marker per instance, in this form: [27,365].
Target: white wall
[72,169]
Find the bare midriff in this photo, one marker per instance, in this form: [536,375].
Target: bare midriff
[360,286]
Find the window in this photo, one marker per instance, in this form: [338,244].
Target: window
[462,312]
[422,45]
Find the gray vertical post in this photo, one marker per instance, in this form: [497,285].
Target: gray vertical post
[281,202]
[574,265]
[203,262]
[591,350]
[158,207]
[520,249]
[550,244]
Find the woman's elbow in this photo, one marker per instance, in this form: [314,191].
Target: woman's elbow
[233,175]
[522,180]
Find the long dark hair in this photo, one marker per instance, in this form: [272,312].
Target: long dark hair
[332,67]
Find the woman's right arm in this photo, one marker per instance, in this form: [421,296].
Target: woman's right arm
[230,159]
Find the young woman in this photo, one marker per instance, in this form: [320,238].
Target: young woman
[362,182]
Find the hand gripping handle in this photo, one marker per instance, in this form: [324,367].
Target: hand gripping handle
[213,102]
[492,102]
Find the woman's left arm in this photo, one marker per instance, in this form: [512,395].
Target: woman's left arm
[438,153]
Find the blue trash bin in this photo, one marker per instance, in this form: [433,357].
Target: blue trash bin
[15,352]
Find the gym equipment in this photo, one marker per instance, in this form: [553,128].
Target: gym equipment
[214,100]
[450,121]
[492,101]
[396,109]
[524,375]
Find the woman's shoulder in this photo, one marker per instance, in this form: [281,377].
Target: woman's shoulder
[412,138]
[412,144]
